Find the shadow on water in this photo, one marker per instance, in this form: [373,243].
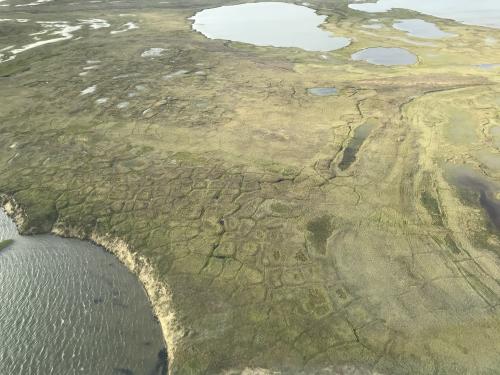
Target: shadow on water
[360,135]
[483,190]
[124,371]
[161,367]
[161,364]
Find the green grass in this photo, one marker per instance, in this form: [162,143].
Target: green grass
[5,243]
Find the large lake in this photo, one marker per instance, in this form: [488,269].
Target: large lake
[68,307]
[268,24]
[471,12]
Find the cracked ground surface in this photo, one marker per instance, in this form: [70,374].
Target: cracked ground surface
[282,252]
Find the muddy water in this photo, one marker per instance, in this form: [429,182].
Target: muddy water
[68,307]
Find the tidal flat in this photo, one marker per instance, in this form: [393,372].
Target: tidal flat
[272,232]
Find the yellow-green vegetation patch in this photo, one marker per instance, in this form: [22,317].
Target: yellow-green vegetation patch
[5,243]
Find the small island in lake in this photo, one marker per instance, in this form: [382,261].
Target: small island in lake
[5,243]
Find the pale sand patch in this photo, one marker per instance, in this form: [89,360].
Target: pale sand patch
[96,23]
[89,90]
[39,33]
[128,26]
[153,52]
[101,100]
[62,29]
[34,3]
[3,58]
[176,74]
[58,28]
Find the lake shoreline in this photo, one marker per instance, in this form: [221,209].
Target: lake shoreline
[158,294]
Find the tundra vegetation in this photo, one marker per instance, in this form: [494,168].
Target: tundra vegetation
[5,243]
[295,233]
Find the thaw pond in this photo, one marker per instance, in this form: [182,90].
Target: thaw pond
[68,307]
[360,135]
[487,66]
[385,56]
[322,91]
[421,29]
[484,191]
[268,24]
[471,12]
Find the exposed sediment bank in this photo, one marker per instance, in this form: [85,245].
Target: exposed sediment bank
[159,295]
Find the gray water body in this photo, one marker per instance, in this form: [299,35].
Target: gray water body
[350,153]
[421,29]
[322,91]
[68,307]
[485,192]
[385,56]
[471,12]
[268,24]
[487,66]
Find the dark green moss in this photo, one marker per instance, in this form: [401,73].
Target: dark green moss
[451,244]
[431,204]
[42,214]
[321,229]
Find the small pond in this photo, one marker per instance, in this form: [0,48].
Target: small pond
[350,153]
[385,56]
[421,29]
[322,91]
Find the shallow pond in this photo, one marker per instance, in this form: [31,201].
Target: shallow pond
[69,307]
[355,143]
[322,91]
[385,56]
[268,24]
[421,29]
[486,192]
[488,66]
[471,12]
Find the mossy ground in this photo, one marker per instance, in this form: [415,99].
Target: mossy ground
[222,171]
[5,243]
